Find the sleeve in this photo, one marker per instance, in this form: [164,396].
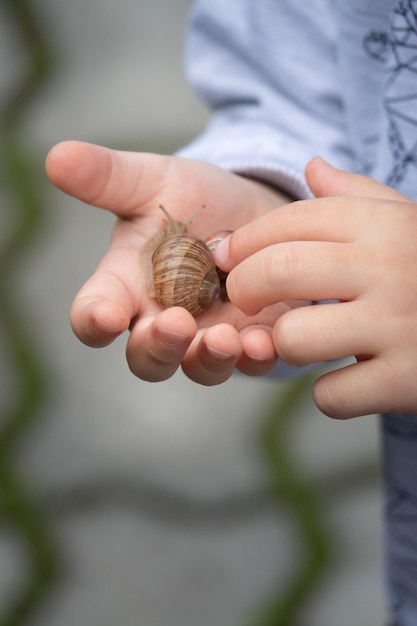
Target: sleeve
[268,72]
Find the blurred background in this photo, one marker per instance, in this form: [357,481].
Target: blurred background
[123,502]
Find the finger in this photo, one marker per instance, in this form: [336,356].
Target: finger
[300,271]
[358,389]
[114,180]
[345,209]
[258,352]
[157,345]
[212,357]
[327,332]
[122,182]
[98,322]
[110,299]
[326,180]
[339,220]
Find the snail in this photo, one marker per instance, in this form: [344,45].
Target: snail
[179,269]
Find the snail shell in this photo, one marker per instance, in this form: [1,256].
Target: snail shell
[180,269]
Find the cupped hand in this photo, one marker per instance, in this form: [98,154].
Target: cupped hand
[355,244]
[132,186]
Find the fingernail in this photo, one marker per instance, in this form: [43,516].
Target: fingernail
[221,253]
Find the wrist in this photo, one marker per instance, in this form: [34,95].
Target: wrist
[274,195]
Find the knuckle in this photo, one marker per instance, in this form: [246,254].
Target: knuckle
[288,261]
[295,215]
[289,341]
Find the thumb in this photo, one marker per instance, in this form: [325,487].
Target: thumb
[326,180]
[115,180]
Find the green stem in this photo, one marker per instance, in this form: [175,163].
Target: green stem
[22,512]
[291,488]
[18,505]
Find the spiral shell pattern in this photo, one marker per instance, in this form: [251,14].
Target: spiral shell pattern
[184,274]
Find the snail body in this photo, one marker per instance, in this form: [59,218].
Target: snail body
[180,269]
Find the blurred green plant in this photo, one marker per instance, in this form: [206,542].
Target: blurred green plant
[28,515]
[18,504]
[291,488]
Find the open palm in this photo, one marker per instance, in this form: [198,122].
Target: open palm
[132,186]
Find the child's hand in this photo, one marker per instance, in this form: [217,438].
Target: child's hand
[113,300]
[357,244]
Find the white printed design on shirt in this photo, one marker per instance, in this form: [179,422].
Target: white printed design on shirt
[398,50]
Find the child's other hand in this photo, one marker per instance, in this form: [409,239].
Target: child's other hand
[356,243]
